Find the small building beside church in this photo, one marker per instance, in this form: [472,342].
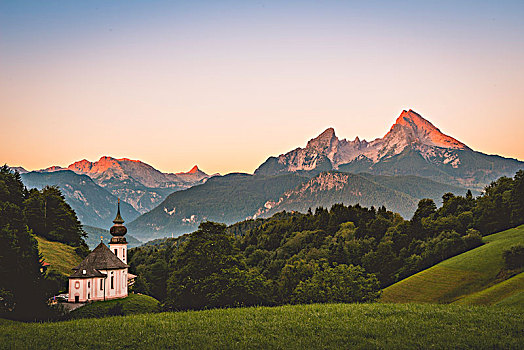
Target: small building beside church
[103,274]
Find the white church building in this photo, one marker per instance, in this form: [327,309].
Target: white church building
[103,274]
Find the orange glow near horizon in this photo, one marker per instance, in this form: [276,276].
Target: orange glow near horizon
[225,86]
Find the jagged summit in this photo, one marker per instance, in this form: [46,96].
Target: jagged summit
[193,170]
[326,135]
[413,146]
[325,141]
[414,128]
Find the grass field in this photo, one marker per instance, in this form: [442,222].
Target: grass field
[61,256]
[335,326]
[460,278]
[133,304]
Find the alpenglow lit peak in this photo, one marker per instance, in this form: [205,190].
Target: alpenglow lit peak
[410,133]
[413,126]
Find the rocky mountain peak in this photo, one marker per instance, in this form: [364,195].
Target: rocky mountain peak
[323,142]
[415,122]
[193,170]
[81,166]
[409,132]
[326,136]
[412,127]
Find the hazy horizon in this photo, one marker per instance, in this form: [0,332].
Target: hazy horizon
[226,85]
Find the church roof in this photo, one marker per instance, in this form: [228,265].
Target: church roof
[101,258]
[87,273]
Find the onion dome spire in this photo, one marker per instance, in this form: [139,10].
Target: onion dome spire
[118,219]
[118,230]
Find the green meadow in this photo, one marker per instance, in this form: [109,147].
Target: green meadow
[316,326]
[61,257]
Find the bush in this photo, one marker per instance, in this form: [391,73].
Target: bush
[342,283]
[472,239]
[514,257]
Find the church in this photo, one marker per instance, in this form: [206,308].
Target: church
[103,274]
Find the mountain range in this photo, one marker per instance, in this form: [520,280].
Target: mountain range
[133,181]
[414,160]
[92,188]
[413,146]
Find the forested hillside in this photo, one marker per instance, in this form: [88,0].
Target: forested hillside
[346,253]
[229,199]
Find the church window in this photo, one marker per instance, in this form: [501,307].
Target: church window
[112,281]
[77,284]
[89,284]
[116,252]
[101,284]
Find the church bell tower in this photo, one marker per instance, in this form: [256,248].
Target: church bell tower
[118,243]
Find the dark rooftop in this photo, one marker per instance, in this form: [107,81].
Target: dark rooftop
[101,258]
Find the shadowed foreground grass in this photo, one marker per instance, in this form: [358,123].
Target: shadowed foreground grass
[287,327]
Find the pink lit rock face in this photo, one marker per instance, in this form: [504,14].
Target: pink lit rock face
[413,146]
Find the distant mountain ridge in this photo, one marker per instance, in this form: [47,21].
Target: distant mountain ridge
[134,181]
[413,146]
[92,188]
[94,205]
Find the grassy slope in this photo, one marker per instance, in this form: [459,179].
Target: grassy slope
[462,275]
[509,292]
[133,304]
[337,326]
[61,256]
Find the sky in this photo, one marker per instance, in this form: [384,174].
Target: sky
[226,84]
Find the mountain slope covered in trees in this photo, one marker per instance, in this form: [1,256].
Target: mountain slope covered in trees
[398,193]
[226,199]
[236,197]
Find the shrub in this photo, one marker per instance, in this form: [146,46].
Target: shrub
[342,283]
[514,257]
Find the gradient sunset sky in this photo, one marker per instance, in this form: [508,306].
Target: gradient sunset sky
[226,84]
